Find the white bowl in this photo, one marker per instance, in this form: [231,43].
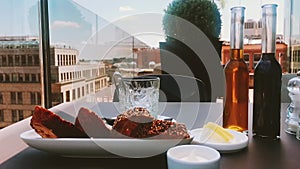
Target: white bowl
[239,142]
[193,157]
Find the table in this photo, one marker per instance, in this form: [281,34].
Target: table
[260,154]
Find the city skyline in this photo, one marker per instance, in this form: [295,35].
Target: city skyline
[119,9]
[23,21]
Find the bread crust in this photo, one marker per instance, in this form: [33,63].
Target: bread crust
[134,123]
[49,125]
[138,123]
[91,124]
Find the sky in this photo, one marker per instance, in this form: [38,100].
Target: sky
[14,17]
[68,20]
[116,9]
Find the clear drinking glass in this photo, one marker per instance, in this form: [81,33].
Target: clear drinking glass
[138,92]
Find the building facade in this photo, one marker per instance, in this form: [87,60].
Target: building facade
[20,77]
[252,29]
[252,54]
[295,58]
[148,56]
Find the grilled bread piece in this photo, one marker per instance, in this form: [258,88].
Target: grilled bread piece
[49,125]
[91,124]
[138,123]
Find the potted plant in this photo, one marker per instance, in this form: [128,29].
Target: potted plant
[205,15]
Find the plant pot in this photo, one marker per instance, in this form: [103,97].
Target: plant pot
[178,58]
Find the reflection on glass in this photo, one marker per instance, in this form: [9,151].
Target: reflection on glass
[85,51]
[19,60]
[292,33]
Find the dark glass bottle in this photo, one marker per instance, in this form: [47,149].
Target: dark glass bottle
[267,81]
[235,115]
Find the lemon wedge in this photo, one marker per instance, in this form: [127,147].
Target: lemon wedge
[214,133]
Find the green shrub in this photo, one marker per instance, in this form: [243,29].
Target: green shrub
[204,14]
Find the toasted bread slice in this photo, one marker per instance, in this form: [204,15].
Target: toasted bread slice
[91,124]
[49,125]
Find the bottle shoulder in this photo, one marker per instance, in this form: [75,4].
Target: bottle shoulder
[268,65]
[236,64]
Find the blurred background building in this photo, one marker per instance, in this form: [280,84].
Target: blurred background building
[252,49]
[292,33]
[20,77]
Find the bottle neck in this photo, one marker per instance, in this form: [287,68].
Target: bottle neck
[269,16]
[236,54]
[237,28]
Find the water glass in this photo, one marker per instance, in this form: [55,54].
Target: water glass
[139,92]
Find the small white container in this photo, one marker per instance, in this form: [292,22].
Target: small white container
[193,157]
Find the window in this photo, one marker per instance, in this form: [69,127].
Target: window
[38,77]
[7,78]
[4,61]
[17,60]
[21,77]
[82,91]
[70,60]
[87,89]
[1,98]
[74,59]
[35,98]
[36,60]
[17,115]
[73,94]
[33,78]
[10,60]
[249,25]
[259,24]
[30,60]
[23,60]
[27,79]
[64,60]
[256,58]
[16,97]
[78,92]
[1,115]
[68,96]
[97,85]
[15,77]
[92,87]
[58,60]
[246,57]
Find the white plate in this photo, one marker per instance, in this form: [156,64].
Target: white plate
[239,142]
[101,147]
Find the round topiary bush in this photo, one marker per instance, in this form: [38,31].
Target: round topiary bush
[204,14]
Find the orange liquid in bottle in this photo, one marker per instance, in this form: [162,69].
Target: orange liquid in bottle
[235,115]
